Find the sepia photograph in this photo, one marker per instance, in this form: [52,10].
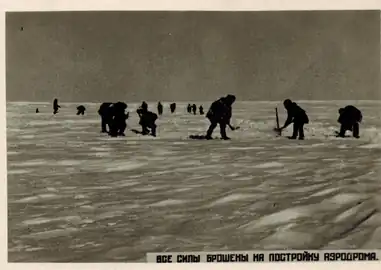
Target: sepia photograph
[135,132]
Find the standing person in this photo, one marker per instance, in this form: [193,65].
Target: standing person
[105,111]
[350,118]
[189,108]
[159,108]
[220,113]
[296,115]
[172,107]
[194,109]
[201,109]
[55,106]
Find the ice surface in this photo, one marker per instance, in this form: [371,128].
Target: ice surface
[269,165]
[77,195]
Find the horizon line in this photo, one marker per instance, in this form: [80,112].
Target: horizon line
[164,101]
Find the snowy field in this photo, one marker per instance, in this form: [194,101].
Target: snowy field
[76,195]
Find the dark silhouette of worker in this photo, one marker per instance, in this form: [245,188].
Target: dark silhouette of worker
[350,118]
[55,106]
[159,108]
[172,107]
[201,109]
[106,113]
[295,115]
[194,109]
[142,109]
[189,108]
[81,110]
[220,113]
[37,111]
[118,123]
[147,120]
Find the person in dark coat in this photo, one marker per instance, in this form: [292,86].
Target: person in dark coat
[37,111]
[81,110]
[55,106]
[118,123]
[142,109]
[106,113]
[113,115]
[220,113]
[189,108]
[147,120]
[201,109]
[194,109]
[350,118]
[296,115]
[159,108]
[172,107]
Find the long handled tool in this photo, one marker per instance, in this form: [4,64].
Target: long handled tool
[277,129]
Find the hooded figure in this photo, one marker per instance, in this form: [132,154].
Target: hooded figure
[220,113]
[81,110]
[350,118]
[295,115]
[55,106]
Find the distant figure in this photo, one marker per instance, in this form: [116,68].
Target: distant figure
[295,115]
[172,107]
[118,123]
[189,108]
[220,112]
[194,109]
[159,108]
[81,110]
[201,109]
[37,111]
[55,106]
[106,113]
[350,118]
[147,120]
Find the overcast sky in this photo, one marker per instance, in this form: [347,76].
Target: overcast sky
[180,56]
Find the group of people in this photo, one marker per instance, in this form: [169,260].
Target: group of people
[220,113]
[190,108]
[349,118]
[193,109]
[114,117]
[80,109]
[172,108]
